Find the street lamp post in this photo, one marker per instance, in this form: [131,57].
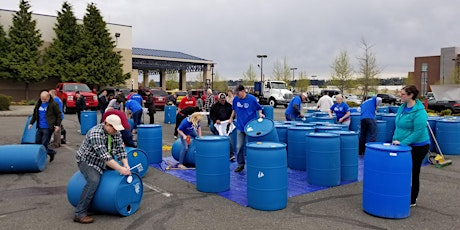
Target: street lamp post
[261,56]
[293,69]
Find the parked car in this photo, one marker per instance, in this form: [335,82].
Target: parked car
[112,90]
[66,92]
[160,96]
[389,99]
[331,92]
[439,106]
[353,98]
[179,94]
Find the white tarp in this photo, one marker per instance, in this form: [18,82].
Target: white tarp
[446,92]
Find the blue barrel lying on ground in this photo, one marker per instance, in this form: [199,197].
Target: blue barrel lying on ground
[149,139]
[189,159]
[323,159]
[349,152]
[138,159]
[28,136]
[381,131]
[170,114]
[267,178]
[212,164]
[116,194]
[268,111]
[447,135]
[387,180]
[88,121]
[22,158]
[296,156]
[261,130]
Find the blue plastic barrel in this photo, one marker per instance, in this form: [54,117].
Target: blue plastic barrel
[326,128]
[212,164]
[138,159]
[149,139]
[331,120]
[88,120]
[447,135]
[355,121]
[296,145]
[321,114]
[383,109]
[28,136]
[349,152]
[312,111]
[353,109]
[268,111]
[393,109]
[170,114]
[381,131]
[267,178]
[390,119]
[341,126]
[261,130]
[282,130]
[387,180]
[306,124]
[116,194]
[189,159]
[131,124]
[432,121]
[323,159]
[378,116]
[22,158]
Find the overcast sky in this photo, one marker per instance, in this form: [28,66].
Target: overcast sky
[308,33]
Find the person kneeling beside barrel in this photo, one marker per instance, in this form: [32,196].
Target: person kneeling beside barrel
[189,127]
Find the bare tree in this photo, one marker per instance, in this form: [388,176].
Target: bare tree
[302,82]
[250,76]
[278,71]
[342,71]
[367,67]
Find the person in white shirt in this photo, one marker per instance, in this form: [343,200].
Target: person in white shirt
[325,103]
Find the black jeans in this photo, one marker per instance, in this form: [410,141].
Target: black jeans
[368,133]
[418,154]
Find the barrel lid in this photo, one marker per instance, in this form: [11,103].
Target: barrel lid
[388,147]
[283,125]
[389,115]
[381,121]
[211,138]
[344,132]
[259,127]
[433,118]
[265,144]
[301,128]
[328,127]
[322,135]
[148,126]
[450,119]
[305,124]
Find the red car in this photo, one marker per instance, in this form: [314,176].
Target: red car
[66,92]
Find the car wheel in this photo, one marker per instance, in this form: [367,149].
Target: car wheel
[272,102]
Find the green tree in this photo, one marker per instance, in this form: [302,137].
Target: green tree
[172,81]
[24,60]
[218,85]
[367,68]
[102,64]
[249,76]
[342,71]
[302,83]
[65,52]
[4,44]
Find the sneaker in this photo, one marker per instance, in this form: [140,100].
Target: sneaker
[232,158]
[239,168]
[175,137]
[413,205]
[84,220]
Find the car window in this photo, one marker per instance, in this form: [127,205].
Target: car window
[159,93]
[181,93]
[76,87]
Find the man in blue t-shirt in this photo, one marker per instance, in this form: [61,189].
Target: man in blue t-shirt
[368,125]
[136,111]
[136,97]
[294,108]
[245,107]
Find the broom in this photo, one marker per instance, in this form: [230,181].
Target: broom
[439,158]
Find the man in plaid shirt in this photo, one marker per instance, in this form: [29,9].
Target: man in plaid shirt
[97,151]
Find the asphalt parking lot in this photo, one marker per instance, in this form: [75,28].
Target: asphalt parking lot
[39,200]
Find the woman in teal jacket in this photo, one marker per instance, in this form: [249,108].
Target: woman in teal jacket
[411,129]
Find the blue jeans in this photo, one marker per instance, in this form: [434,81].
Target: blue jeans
[43,137]
[137,116]
[368,133]
[290,117]
[92,177]
[240,146]
[184,148]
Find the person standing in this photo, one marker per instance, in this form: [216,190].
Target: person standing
[181,115]
[56,143]
[150,105]
[172,99]
[411,129]
[230,96]
[189,100]
[101,144]
[221,111]
[341,110]
[136,97]
[190,127]
[245,108]
[209,102]
[103,102]
[48,118]
[294,108]
[80,105]
[324,103]
[368,132]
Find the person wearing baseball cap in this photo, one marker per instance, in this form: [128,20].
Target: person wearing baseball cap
[95,155]
[294,108]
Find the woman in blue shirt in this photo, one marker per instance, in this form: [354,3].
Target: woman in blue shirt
[190,126]
[411,129]
[341,110]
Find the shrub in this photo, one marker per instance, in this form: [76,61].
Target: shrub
[352,104]
[31,102]
[446,112]
[5,102]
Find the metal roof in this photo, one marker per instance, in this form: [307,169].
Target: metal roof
[165,54]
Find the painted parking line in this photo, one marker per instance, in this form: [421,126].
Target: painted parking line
[158,190]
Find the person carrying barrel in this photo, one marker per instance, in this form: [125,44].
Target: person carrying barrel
[96,153]
[190,127]
[294,108]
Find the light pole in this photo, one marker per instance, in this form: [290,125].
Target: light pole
[212,76]
[312,78]
[261,56]
[293,69]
